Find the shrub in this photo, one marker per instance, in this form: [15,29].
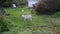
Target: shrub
[47,6]
[3,23]
[56,15]
[5,3]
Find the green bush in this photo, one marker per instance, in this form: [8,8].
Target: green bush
[47,7]
[5,3]
[56,15]
[3,24]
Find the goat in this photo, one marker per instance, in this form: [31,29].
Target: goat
[27,17]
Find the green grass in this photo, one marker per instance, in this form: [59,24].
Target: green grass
[15,16]
[27,27]
[56,15]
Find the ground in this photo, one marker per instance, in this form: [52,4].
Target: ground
[40,25]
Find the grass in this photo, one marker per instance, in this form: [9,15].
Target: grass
[56,15]
[18,26]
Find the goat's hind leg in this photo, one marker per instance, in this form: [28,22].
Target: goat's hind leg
[31,19]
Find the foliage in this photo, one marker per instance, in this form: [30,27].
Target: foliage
[47,6]
[56,15]
[3,22]
[5,3]
[20,2]
[8,3]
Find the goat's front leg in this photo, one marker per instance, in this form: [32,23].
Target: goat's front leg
[31,19]
[24,19]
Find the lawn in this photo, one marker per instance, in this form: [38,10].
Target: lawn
[39,24]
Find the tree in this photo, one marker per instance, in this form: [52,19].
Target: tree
[5,3]
[47,6]
[20,2]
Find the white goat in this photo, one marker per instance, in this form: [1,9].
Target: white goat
[27,17]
